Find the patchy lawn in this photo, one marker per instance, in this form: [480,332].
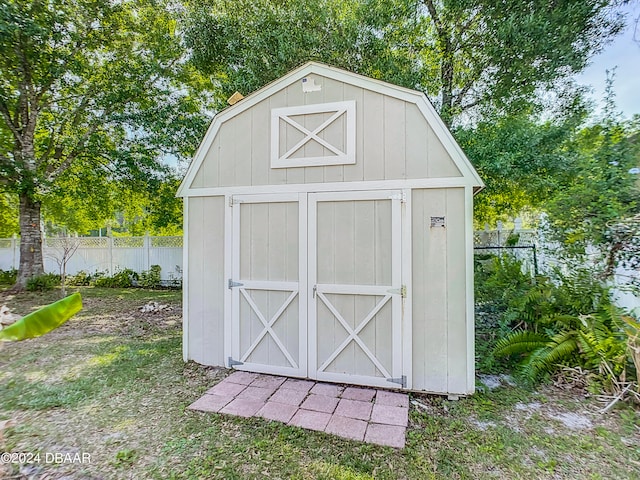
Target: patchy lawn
[111,384]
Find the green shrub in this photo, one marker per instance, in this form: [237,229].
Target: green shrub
[499,283]
[122,279]
[175,279]
[150,278]
[42,283]
[595,342]
[8,277]
[81,279]
[535,324]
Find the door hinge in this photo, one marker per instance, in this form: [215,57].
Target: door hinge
[235,284]
[401,380]
[233,200]
[402,291]
[233,362]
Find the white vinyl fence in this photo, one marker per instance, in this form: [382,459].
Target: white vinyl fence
[537,255]
[103,254]
[112,254]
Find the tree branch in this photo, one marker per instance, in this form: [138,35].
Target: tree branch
[434,16]
[4,109]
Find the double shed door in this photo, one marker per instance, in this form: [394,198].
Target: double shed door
[316,286]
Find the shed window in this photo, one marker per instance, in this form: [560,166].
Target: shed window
[313,135]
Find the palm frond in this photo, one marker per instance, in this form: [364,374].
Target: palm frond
[521,341]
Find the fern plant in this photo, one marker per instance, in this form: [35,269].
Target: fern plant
[594,342]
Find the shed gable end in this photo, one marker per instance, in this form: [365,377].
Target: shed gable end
[346,129]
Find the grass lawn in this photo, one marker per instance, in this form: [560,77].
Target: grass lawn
[111,383]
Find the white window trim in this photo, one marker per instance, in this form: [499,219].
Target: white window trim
[346,157]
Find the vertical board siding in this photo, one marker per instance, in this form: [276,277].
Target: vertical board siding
[262,146]
[354,248]
[227,150]
[334,92]
[242,148]
[417,143]
[440,163]
[430,300]
[393,141]
[440,359]
[295,96]
[269,251]
[206,280]
[373,133]
[260,140]
[394,138]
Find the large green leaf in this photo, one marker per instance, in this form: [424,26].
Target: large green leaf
[44,320]
[520,342]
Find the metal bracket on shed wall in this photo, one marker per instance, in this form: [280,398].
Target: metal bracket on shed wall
[233,362]
[402,380]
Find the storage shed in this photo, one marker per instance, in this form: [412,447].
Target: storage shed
[328,235]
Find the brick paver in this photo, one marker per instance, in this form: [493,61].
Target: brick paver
[347,427]
[243,407]
[288,396]
[320,403]
[299,385]
[354,409]
[362,394]
[244,378]
[355,413]
[310,419]
[268,381]
[256,393]
[388,435]
[327,390]
[390,415]
[279,412]
[226,388]
[393,399]
[210,403]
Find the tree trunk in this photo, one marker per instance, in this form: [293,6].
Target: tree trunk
[446,77]
[31,262]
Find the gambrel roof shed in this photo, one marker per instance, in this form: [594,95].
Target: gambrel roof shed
[328,228]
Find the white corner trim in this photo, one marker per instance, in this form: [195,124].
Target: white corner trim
[185,280]
[470,306]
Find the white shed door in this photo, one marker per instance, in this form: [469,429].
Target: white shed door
[355,304]
[269,331]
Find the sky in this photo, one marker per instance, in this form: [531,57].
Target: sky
[623,53]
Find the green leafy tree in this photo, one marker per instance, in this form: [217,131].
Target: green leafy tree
[154,210]
[8,215]
[521,160]
[465,54]
[497,55]
[91,93]
[600,194]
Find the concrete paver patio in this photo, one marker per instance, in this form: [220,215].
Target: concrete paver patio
[363,414]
